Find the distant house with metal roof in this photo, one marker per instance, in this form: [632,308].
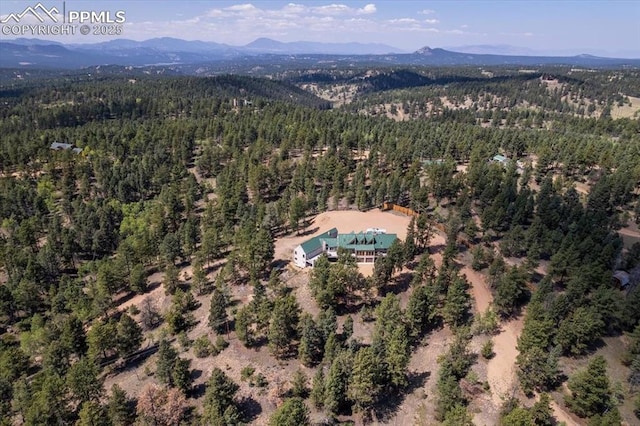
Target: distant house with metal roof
[499,158]
[60,146]
[364,246]
[622,278]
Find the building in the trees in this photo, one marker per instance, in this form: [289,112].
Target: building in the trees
[364,246]
[621,278]
[499,158]
[60,146]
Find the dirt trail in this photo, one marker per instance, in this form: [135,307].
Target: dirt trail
[501,368]
[479,290]
[561,415]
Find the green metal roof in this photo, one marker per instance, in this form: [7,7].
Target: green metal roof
[366,241]
[316,242]
[352,241]
[331,242]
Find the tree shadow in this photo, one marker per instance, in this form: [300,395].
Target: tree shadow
[249,408]
[198,390]
[280,264]
[307,232]
[196,374]
[128,295]
[353,305]
[400,284]
[437,248]
[135,360]
[390,404]
[212,268]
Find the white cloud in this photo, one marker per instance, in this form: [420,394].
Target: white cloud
[242,7]
[243,22]
[368,9]
[294,8]
[427,12]
[333,9]
[403,21]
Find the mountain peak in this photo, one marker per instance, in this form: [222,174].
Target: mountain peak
[264,42]
[424,51]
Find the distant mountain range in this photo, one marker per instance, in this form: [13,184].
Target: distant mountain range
[35,53]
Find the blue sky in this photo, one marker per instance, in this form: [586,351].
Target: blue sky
[552,27]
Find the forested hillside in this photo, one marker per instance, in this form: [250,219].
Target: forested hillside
[142,280]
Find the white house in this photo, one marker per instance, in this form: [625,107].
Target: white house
[306,253]
[364,246]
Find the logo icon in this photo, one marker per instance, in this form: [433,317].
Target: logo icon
[39,11]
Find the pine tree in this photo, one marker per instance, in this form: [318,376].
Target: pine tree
[181,375]
[541,412]
[299,384]
[578,331]
[537,369]
[200,281]
[311,343]
[327,322]
[590,390]
[282,328]
[119,407]
[457,302]
[138,279]
[84,382]
[128,335]
[100,339]
[317,389]
[420,312]
[458,416]
[171,280]
[93,414]
[347,328]
[510,292]
[364,382]
[335,386]
[293,412]
[243,321]
[410,248]
[218,312]
[167,356]
[397,356]
[219,403]
[331,348]
[73,337]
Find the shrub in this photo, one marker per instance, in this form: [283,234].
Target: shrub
[221,344]
[260,381]
[486,323]
[202,347]
[487,350]
[247,372]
